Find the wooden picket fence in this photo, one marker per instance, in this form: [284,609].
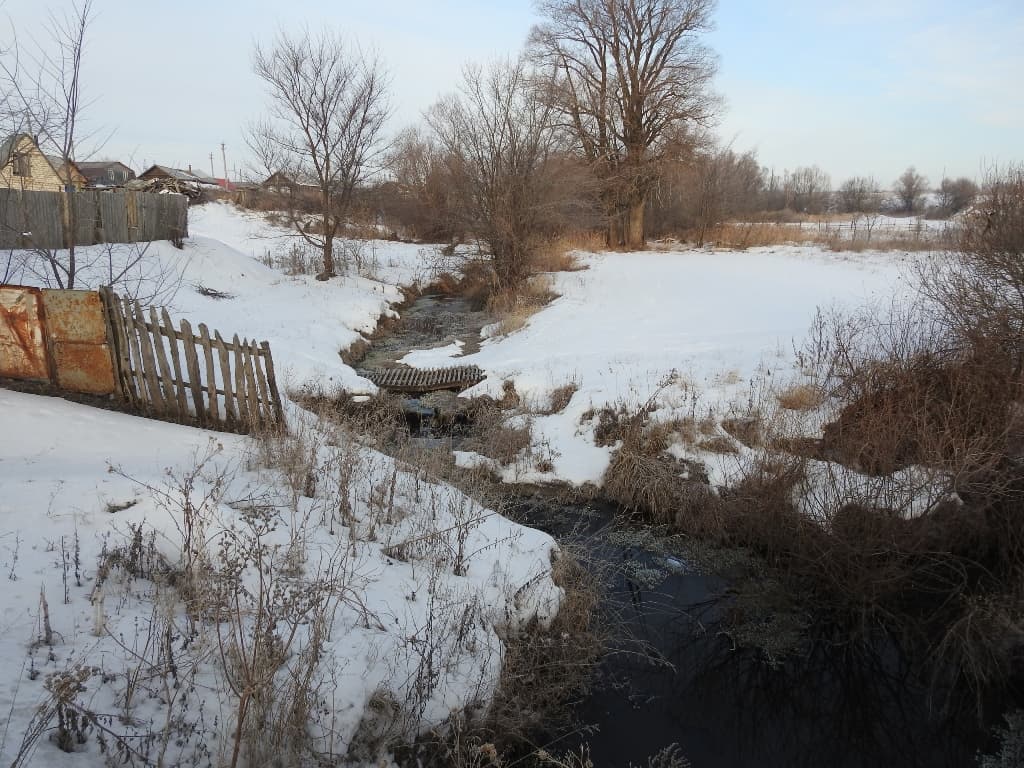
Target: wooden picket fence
[173,373]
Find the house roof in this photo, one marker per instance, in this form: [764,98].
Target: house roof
[96,171]
[8,145]
[181,175]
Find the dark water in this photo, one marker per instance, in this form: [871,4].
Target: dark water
[674,676]
[431,321]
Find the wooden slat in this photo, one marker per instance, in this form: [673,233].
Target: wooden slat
[211,379]
[272,383]
[122,358]
[240,394]
[252,394]
[179,380]
[192,362]
[147,360]
[166,376]
[230,407]
[267,415]
[133,370]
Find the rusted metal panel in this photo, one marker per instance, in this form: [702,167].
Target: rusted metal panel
[84,368]
[74,316]
[22,343]
[77,330]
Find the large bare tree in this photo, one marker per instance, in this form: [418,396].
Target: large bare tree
[328,106]
[499,141]
[626,75]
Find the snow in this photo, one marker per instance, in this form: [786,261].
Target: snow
[435,573]
[307,322]
[698,330]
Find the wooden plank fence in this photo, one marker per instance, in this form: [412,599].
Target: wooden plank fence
[30,219]
[176,374]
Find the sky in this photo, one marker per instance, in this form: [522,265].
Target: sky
[857,88]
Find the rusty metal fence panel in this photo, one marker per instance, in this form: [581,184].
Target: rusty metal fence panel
[77,331]
[22,340]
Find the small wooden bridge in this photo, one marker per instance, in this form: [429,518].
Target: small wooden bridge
[423,380]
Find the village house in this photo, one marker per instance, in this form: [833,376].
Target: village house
[106,173]
[24,166]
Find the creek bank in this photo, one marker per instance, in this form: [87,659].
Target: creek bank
[703,654]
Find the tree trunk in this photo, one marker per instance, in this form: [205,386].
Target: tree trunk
[614,234]
[328,272]
[634,240]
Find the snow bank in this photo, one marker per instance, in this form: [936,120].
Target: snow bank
[426,583]
[307,322]
[693,328]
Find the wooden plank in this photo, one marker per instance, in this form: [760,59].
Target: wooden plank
[118,341]
[167,329]
[230,409]
[148,361]
[192,361]
[211,379]
[243,403]
[267,414]
[251,392]
[135,354]
[272,384]
[166,375]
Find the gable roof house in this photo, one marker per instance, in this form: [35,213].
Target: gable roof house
[70,173]
[106,173]
[24,166]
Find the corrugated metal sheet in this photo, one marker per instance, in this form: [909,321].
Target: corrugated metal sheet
[22,342]
[77,331]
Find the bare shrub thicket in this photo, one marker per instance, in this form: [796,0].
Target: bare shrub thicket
[500,149]
[916,525]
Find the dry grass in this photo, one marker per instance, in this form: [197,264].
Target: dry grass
[560,398]
[513,307]
[559,254]
[800,397]
[824,232]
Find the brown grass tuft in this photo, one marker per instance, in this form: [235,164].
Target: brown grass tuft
[800,397]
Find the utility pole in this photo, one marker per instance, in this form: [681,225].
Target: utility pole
[213,173]
[224,156]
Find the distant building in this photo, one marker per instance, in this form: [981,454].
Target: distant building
[178,174]
[24,166]
[106,173]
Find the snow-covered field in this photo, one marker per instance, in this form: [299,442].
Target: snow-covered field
[697,327]
[418,584]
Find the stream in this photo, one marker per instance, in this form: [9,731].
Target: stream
[673,673]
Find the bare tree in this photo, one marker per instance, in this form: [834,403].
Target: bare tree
[500,140]
[423,199]
[910,189]
[625,75]
[809,189]
[328,105]
[43,97]
[956,194]
[859,194]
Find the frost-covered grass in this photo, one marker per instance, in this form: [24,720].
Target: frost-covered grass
[156,575]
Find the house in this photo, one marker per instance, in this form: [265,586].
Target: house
[24,166]
[70,172]
[177,174]
[106,173]
[279,183]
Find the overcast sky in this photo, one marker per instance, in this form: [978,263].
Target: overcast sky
[856,87]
